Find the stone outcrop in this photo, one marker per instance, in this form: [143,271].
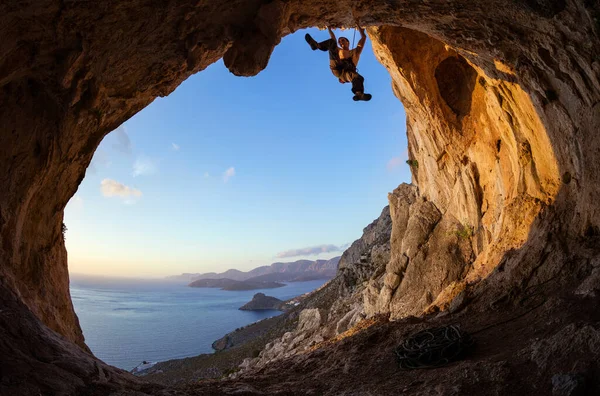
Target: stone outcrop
[261,302]
[337,306]
[306,335]
[542,348]
[429,253]
[503,108]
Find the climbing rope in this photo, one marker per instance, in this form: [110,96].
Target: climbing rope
[356,21]
[433,348]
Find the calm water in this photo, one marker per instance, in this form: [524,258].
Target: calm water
[125,322]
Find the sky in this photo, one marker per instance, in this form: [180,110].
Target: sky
[239,172]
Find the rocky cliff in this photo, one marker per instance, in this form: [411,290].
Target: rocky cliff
[503,108]
[338,305]
[482,159]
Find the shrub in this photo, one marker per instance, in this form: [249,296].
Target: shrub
[230,371]
[413,163]
[464,231]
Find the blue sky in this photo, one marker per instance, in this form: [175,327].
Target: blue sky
[236,172]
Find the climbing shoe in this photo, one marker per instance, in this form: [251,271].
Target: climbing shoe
[362,96]
[311,41]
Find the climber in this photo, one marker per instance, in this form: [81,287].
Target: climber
[343,60]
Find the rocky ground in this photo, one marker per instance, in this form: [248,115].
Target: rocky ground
[539,345]
[231,350]
[547,347]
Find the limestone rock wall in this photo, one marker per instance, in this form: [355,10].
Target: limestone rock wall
[485,164]
[428,254]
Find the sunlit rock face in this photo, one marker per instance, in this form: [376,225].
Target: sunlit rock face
[494,152]
[481,158]
[502,100]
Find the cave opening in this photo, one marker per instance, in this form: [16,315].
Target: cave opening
[488,195]
[207,178]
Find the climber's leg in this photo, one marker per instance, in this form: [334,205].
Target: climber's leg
[326,45]
[358,88]
[357,81]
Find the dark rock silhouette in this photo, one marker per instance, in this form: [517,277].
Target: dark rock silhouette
[262,302]
[228,284]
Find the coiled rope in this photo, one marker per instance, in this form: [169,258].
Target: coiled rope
[433,348]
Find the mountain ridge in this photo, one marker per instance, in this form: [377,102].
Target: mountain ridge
[316,268]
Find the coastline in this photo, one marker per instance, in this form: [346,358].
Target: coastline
[230,350]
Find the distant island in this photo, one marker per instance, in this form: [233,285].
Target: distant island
[261,302]
[264,277]
[229,284]
[320,269]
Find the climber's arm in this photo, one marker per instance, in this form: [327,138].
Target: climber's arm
[331,33]
[359,47]
[362,41]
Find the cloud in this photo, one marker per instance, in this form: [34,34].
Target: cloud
[311,251]
[123,143]
[175,146]
[228,174]
[100,160]
[397,161]
[112,188]
[206,175]
[143,166]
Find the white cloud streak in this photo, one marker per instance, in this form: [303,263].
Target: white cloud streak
[311,251]
[228,174]
[123,143]
[175,146]
[144,166]
[112,188]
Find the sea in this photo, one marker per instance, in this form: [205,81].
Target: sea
[126,322]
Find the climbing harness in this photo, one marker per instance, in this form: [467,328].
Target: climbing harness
[354,68]
[433,348]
